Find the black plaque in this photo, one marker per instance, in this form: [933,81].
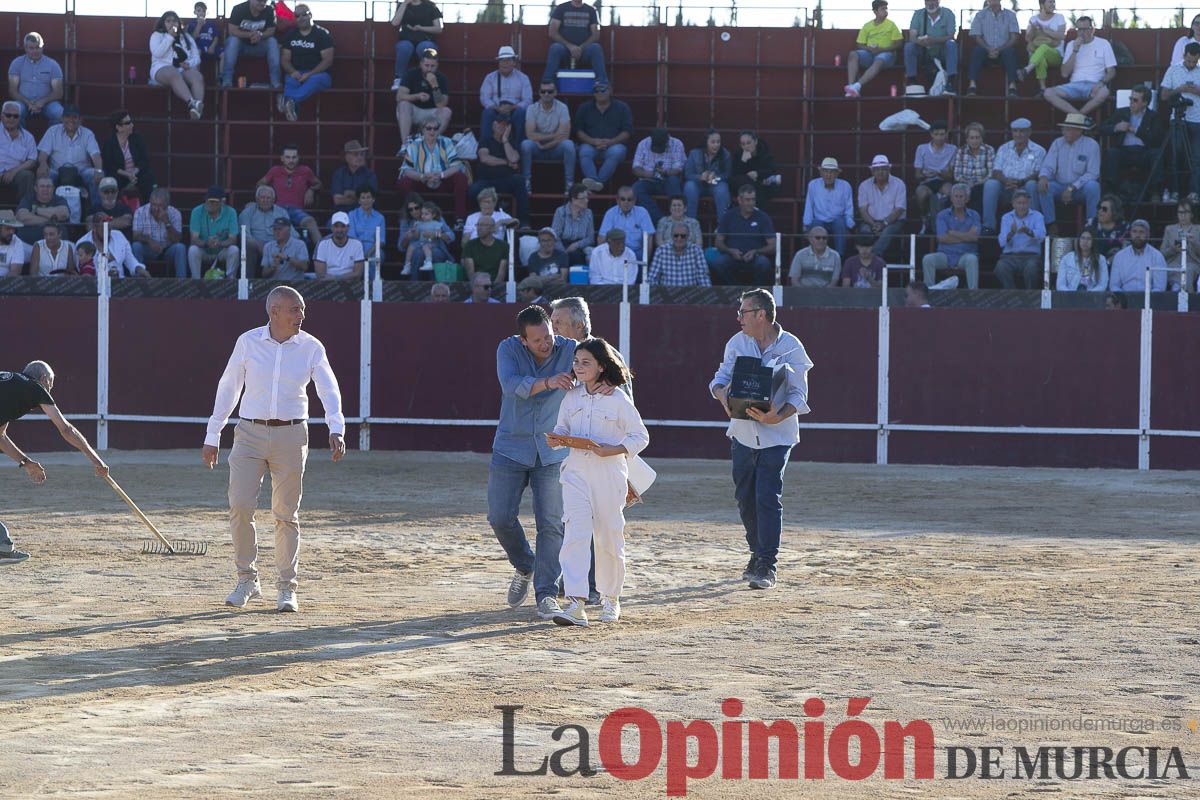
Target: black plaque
[754,385]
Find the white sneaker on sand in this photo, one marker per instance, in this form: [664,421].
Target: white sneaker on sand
[573,614]
[246,590]
[610,610]
[287,601]
[547,607]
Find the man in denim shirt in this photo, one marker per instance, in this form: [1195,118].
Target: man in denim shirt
[534,369]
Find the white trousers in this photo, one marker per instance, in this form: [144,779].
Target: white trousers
[593,501]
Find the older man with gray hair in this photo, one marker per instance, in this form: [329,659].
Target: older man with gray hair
[18,150]
[273,366]
[818,264]
[20,393]
[571,318]
[259,219]
[158,233]
[958,229]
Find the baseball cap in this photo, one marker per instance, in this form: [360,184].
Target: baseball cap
[830,163]
[108,183]
[341,217]
[600,86]
[1020,123]
[281,222]
[215,193]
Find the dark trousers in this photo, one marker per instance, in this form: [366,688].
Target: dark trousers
[1119,158]
[979,57]
[758,487]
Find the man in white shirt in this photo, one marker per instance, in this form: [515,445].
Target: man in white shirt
[274,365]
[614,263]
[1090,65]
[1184,79]
[119,253]
[338,256]
[12,249]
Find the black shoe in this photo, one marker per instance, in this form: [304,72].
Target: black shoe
[593,598]
[751,568]
[13,556]
[764,578]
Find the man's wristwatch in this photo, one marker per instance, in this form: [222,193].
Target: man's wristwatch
[23,462]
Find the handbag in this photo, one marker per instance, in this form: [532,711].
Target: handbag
[467,145]
[71,194]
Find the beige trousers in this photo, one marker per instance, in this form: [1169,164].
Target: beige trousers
[282,450]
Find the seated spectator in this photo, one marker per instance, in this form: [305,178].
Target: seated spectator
[488,201]
[69,154]
[18,151]
[916,295]
[1116,302]
[409,217]
[1191,37]
[745,243]
[633,219]
[12,249]
[1128,271]
[574,35]
[931,35]
[175,62]
[1017,165]
[481,289]
[958,230]
[878,44]
[662,234]
[1184,80]
[707,172]
[499,167]
[250,30]
[338,257]
[864,270]
[206,33]
[35,81]
[679,264]
[39,208]
[882,203]
[214,237]
[1136,133]
[529,291]
[284,257]
[417,24]
[1022,232]
[574,226]
[1044,41]
[431,161]
[158,233]
[935,163]
[1109,226]
[549,260]
[126,158]
[996,32]
[1083,268]
[1090,65]
[1071,170]
[425,243]
[85,258]
[423,97]
[305,55]
[351,176]
[818,264]
[259,219]
[117,253]
[505,90]
[1172,244]
[603,126]
[753,165]
[52,255]
[486,253]
[120,214]
[548,136]
[296,188]
[365,220]
[612,262]
[440,293]
[829,203]
[658,167]
[973,163]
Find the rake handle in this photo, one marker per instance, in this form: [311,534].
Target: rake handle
[138,511]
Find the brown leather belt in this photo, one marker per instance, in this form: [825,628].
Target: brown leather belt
[275,423]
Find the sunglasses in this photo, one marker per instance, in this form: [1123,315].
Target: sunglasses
[547,91]
[818,238]
[12,116]
[1106,208]
[679,236]
[414,208]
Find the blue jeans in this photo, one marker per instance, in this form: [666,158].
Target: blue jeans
[517,115]
[758,487]
[727,272]
[886,237]
[995,196]
[979,57]
[506,484]
[693,190]
[6,542]
[613,155]
[593,55]
[645,189]
[302,91]
[1089,195]
[235,47]
[404,54]
[836,228]
[947,52]
[52,111]
[174,254]
[867,58]
[564,151]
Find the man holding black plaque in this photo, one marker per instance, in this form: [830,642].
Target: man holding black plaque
[762,400]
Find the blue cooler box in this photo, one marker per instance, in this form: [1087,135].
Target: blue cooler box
[575,81]
[579,274]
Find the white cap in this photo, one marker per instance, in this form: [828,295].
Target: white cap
[341,217]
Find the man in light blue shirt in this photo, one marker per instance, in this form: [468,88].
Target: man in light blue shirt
[632,219]
[1070,172]
[1128,271]
[829,203]
[1017,165]
[760,446]
[1022,232]
[35,81]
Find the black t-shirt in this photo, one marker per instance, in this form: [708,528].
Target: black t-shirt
[240,17]
[306,50]
[414,81]
[575,24]
[19,395]
[116,212]
[422,15]
[491,172]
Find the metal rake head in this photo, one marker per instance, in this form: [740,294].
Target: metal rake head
[177,548]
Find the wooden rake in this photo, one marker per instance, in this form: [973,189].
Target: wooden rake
[162,546]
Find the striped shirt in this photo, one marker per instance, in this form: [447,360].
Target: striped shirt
[423,158]
[146,225]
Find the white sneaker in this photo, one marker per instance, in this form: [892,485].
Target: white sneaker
[407,270]
[193,109]
[592,184]
[246,590]
[279,100]
[396,85]
[287,601]
[610,610]
[427,266]
[547,607]
[573,614]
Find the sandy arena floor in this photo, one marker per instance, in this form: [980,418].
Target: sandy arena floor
[1007,596]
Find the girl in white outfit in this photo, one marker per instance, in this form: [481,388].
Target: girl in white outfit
[594,479]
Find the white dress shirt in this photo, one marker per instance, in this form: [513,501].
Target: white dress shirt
[120,253]
[275,376]
[604,267]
